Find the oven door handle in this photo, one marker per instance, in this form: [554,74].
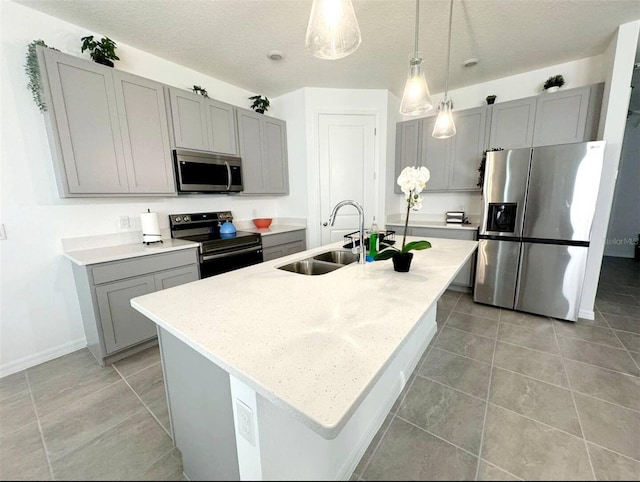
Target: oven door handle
[228,175]
[256,249]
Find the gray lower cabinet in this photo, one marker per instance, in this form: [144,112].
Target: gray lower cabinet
[465,278]
[283,244]
[107,129]
[201,123]
[113,329]
[263,148]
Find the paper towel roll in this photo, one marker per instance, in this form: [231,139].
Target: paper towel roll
[150,227]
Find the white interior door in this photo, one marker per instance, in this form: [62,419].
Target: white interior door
[347,171]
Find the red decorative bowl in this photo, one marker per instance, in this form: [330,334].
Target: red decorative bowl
[262,222]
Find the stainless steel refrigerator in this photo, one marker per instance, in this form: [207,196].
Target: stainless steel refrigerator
[538,206]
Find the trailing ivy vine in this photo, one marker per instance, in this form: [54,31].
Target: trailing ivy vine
[33,71]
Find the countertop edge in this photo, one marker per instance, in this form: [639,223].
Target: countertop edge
[87,257]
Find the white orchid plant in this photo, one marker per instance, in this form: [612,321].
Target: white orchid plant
[412,180]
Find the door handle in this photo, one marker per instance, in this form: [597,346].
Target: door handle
[228,175]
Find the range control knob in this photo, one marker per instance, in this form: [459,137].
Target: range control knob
[185,218]
[177,219]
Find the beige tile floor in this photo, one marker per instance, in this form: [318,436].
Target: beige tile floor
[498,395]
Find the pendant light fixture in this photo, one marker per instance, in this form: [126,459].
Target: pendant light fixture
[416,98]
[444,126]
[332,32]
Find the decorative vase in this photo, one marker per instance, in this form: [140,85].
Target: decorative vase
[552,89]
[402,261]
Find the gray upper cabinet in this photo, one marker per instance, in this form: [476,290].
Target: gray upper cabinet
[407,147]
[221,120]
[560,117]
[263,148]
[202,124]
[512,123]
[453,163]
[107,130]
[83,126]
[435,156]
[189,116]
[145,134]
[568,116]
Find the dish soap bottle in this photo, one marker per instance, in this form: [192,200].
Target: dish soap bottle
[373,239]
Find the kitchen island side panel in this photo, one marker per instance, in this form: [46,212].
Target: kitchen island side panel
[199,400]
[290,450]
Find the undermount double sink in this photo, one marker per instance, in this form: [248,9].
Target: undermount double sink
[321,263]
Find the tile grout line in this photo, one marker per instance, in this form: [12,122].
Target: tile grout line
[453,388]
[35,411]
[575,407]
[499,468]
[624,346]
[486,406]
[144,404]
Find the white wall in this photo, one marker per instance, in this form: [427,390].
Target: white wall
[39,313]
[342,101]
[618,64]
[624,223]
[576,74]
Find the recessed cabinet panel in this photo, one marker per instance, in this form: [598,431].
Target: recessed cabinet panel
[512,123]
[189,117]
[86,118]
[222,127]
[466,149]
[435,153]
[250,137]
[122,325]
[176,277]
[561,117]
[276,156]
[407,147]
[145,133]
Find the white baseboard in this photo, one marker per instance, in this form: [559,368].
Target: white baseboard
[33,360]
[587,314]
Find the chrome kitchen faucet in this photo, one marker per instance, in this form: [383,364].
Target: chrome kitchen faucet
[332,219]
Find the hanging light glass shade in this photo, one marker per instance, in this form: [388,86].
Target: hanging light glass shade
[444,126]
[416,98]
[333,31]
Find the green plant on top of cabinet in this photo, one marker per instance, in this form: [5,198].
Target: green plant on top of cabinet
[263,148]
[202,123]
[107,129]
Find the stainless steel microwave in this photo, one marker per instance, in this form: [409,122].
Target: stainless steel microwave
[206,172]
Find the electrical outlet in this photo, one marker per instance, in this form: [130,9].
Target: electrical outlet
[123,222]
[245,421]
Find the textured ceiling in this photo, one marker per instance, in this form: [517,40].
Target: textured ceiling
[230,39]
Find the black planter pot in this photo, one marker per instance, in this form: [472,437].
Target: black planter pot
[106,62]
[402,262]
[260,111]
[491,99]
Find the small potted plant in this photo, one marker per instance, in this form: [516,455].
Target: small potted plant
[260,104]
[102,52]
[32,68]
[200,90]
[412,181]
[491,99]
[553,83]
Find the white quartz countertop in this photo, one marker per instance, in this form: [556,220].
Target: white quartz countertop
[124,251]
[434,224]
[313,345]
[274,229]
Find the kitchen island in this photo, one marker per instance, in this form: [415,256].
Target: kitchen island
[277,375]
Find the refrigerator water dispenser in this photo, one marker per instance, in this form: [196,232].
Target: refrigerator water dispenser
[502,217]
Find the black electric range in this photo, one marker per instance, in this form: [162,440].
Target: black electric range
[218,252]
